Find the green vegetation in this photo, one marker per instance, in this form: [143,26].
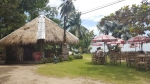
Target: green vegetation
[15,13]
[127,21]
[60,58]
[84,68]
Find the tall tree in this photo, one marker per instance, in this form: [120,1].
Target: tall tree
[86,42]
[67,7]
[74,25]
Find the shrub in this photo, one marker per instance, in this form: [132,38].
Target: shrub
[81,57]
[43,61]
[61,58]
[49,60]
[78,56]
[70,58]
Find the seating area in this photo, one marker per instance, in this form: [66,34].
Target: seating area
[98,59]
[132,59]
[115,57]
[142,61]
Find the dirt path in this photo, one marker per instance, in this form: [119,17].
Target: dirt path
[24,74]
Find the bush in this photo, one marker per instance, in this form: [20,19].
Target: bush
[49,60]
[43,61]
[60,58]
[81,57]
[70,58]
[78,56]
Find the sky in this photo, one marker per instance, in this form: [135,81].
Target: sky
[90,20]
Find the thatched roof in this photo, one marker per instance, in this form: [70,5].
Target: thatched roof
[28,34]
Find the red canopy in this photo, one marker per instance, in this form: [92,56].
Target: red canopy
[139,39]
[118,41]
[104,38]
[97,44]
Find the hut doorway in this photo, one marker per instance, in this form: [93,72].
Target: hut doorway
[13,53]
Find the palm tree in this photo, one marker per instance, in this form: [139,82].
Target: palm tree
[74,20]
[79,32]
[74,25]
[66,8]
[85,42]
[106,27]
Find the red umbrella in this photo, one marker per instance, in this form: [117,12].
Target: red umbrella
[104,38]
[118,41]
[139,39]
[97,44]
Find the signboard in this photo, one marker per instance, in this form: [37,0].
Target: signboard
[37,56]
[65,52]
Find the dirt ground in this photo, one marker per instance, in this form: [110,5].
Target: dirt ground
[24,74]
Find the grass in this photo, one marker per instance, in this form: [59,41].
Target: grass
[116,74]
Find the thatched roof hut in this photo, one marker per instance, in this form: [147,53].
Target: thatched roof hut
[28,34]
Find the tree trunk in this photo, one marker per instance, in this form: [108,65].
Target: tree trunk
[64,29]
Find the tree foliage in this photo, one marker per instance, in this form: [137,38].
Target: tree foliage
[85,42]
[32,7]
[10,16]
[13,13]
[67,7]
[133,20]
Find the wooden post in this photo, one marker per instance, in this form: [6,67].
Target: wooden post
[65,52]
[4,53]
[65,29]
[104,47]
[41,42]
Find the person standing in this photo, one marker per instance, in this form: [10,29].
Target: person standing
[21,51]
[55,59]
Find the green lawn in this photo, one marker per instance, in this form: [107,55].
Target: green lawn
[117,74]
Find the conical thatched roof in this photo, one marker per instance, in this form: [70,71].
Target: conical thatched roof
[28,34]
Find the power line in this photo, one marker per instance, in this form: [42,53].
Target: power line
[112,3]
